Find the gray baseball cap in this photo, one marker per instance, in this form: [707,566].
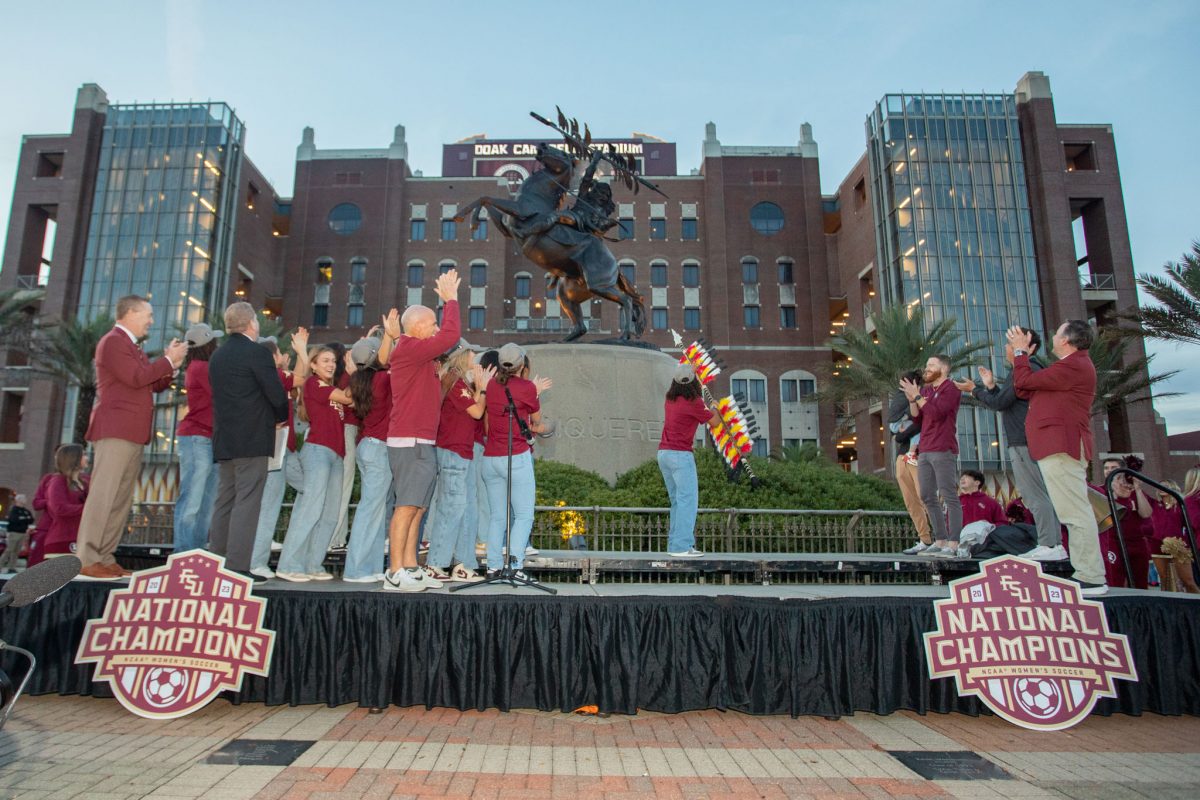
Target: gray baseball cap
[365,351]
[201,334]
[683,374]
[511,355]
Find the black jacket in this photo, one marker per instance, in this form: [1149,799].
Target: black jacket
[1003,398]
[248,399]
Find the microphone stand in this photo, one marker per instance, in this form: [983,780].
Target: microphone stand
[507,573]
[7,710]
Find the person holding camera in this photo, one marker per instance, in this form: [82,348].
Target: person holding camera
[511,387]
[907,434]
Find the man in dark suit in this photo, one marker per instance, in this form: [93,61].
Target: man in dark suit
[120,429]
[248,403]
[1058,428]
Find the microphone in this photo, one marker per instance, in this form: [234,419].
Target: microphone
[39,581]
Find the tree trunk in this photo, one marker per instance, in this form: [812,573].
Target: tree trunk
[83,413]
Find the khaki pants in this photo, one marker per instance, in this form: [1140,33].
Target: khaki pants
[906,477]
[115,471]
[1066,483]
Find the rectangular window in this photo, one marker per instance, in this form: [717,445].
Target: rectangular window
[477,317]
[416,275]
[658,319]
[785,273]
[658,274]
[630,272]
[11,408]
[320,316]
[787,317]
[449,230]
[689,230]
[480,233]
[416,230]
[479,274]
[445,267]
[523,287]
[760,447]
[358,272]
[691,319]
[808,387]
[789,391]
[757,390]
[354,316]
[749,272]
[658,229]
[324,272]
[791,443]
[626,228]
[750,317]
[691,276]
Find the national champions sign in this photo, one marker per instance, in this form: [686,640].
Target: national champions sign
[1028,645]
[178,636]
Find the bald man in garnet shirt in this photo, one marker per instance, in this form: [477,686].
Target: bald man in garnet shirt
[936,406]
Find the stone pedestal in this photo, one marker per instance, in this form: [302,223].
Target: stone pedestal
[607,403]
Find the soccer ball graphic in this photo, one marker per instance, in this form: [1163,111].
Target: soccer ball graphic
[1039,697]
[164,686]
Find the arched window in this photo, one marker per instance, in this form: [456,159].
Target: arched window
[524,282]
[766,218]
[446,266]
[691,274]
[628,268]
[324,270]
[658,273]
[345,219]
[751,385]
[799,420]
[416,274]
[479,273]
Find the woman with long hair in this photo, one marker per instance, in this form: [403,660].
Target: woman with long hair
[511,380]
[371,391]
[315,514]
[66,490]
[684,411]
[452,537]
[193,443]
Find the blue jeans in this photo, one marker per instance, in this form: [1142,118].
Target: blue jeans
[315,513]
[451,532]
[495,471]
[679,473]
[290,472]
[369,533]
[480,515]
[197,492]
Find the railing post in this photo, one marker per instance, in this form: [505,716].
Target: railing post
[730,526]
[851,539]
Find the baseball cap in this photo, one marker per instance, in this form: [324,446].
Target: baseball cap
[201,334]
[511,356]
[364,351]
[683,374]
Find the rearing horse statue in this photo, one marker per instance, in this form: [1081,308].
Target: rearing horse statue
[567,243]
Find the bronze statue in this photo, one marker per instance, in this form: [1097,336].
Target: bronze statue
[568,242]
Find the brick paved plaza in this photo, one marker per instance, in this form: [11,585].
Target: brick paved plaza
[73,747]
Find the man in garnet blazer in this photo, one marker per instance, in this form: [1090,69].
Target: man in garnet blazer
[1058,428]
[120,429]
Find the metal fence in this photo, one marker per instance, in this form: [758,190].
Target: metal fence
[729,530]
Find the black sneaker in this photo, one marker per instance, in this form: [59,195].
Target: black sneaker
[251,575]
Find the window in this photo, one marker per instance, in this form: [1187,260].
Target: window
[658,228]
[480,233]
[658,319]
[792,443]
[691,275]
[860,193]
[320,315]
[766,218]
[787,317]
[626,229]
[358,270]
[345,219]
[658,274]
[1079,156]
[416,230]
[689,230]
[445,267]
[793,390]
[449,230]
[753,389]
[324,270]
[629,270]
[523,287]
[354,316]
[760,447]
[786,275]
[749,270]
[416,275]
[479,274]
[50,165]
[691,319]
[750,316]
[11,408]
[476,318]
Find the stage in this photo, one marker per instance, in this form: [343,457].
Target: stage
[804,649]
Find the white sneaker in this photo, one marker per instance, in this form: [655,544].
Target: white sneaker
[530,550]
[263,572]
[401,581]
[426,578]
[1043,553]
[376,578]
[277,546]
[294,577]
[919,547]
[438,574]
[691,552]
[460,574]
[320,576]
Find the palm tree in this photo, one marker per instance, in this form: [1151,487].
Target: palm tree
[1119,381]
[1177,318]
[66,350]
[874,362]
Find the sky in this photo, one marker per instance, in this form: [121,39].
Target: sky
[354,70]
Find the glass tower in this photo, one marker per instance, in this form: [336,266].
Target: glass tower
[953,231]
[162,221]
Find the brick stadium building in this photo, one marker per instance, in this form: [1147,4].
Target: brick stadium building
[983,207]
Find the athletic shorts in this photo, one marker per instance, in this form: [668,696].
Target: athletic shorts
[414,474]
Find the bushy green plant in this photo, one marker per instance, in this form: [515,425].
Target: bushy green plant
[565,482]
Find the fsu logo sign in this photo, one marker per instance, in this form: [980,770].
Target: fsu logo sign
[177,636]
[1027,644]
